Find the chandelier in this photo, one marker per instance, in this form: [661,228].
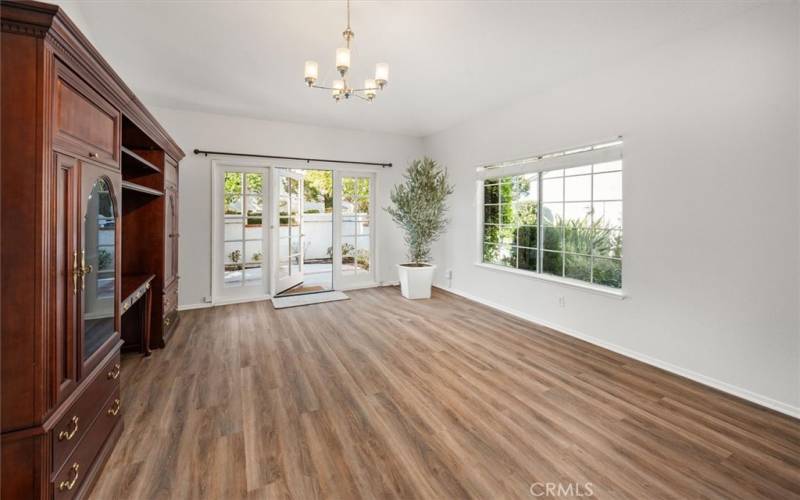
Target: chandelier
[341,88]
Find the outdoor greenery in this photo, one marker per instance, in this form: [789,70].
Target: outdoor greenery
[245,190]
[419,207]
[318,186]
[587,248]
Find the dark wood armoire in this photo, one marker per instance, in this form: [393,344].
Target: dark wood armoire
[88,207]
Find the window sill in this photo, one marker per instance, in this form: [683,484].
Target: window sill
[600,290]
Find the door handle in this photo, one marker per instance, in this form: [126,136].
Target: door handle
[84,269]
[76,271]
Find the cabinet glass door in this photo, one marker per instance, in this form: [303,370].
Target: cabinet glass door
[96,269]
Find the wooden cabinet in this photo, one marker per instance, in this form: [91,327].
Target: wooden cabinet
[171,234]
[66,247]
[84,123]
[67,120]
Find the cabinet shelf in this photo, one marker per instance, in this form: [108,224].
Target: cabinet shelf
[132,186]
[138,161]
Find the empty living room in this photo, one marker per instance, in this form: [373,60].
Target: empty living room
[399,249]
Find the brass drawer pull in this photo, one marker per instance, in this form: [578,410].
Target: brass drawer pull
[114,373]
[69,434]
[126,306]
[68,485]
[92,154]
[167,321]
[114,410]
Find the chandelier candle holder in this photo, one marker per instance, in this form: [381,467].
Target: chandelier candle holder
[340,88]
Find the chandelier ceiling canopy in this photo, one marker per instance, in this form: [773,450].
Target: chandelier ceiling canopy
[340,88]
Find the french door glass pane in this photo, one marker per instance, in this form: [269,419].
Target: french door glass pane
[233,182]
[355,231]
[283,268]
[252,273]
[233,204]
[254,230]
[255,183]
[233,230]
[243,232]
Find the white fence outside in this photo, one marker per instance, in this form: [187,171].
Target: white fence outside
[318,230]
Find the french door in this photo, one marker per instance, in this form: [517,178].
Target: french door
[354,222]
[239,237]
[251,262]
[287,229]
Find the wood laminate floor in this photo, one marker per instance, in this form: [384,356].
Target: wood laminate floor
[381,397]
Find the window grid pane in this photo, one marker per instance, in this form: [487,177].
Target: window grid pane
[569,224]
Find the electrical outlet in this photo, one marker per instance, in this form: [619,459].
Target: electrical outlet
[562,302]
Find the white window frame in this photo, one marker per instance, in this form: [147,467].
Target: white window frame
[575,157]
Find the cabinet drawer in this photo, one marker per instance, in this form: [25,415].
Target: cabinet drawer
[67,482]
[75,423]
[84,123]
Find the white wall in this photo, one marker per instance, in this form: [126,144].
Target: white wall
[711,214]
[225,133]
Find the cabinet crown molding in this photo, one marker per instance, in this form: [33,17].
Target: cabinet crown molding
[43,20]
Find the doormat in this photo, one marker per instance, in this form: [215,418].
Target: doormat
[307,300]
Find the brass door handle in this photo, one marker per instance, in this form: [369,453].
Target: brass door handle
[68,485]
[115,406]
[69,434]
[83,269]
[114,373]
[76,272]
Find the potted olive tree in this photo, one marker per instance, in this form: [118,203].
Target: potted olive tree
[419,207]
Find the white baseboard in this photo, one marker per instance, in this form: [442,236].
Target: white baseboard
[189,307]
[745,394]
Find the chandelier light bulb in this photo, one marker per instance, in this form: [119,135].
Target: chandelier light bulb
[370,89]
[342,60]
[381,74]
[338,89]
[312,72]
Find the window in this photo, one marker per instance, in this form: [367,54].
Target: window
[564,222]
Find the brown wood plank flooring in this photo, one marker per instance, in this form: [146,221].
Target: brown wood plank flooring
[380,397]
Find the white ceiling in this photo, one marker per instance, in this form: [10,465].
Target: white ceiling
[448,60]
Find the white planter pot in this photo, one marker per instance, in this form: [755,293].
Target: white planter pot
[415,282]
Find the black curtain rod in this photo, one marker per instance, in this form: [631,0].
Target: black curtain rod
[307,160]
